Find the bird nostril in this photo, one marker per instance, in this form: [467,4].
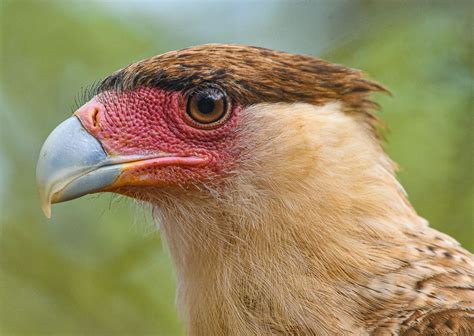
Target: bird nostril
[94,114]
[89,114]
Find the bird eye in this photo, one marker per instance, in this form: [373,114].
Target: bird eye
[208,108]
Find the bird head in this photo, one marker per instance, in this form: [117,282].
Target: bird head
[190,120]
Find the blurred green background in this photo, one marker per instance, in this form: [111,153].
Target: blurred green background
[99,267]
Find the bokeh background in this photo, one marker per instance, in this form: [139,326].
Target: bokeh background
[99,266]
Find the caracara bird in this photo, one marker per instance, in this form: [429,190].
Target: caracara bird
[268,179]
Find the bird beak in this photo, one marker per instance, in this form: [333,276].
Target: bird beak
[73,163]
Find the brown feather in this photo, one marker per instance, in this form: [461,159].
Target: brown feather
[253,75]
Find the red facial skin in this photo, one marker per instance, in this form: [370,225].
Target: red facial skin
[152,122]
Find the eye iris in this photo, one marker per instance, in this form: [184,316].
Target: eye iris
[207,108]
[206,105]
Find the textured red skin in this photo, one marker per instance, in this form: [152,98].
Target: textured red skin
[148,122]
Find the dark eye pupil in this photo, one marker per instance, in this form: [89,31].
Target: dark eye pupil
[206,105]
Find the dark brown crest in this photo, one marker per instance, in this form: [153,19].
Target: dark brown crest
[251,75]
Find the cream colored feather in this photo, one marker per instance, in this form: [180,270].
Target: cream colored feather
[313,236]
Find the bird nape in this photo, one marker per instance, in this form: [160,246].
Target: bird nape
[280,208]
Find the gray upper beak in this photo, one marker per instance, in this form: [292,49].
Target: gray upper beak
[68,165]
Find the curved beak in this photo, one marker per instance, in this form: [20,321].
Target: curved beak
[72,163]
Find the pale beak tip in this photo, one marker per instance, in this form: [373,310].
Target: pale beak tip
[45,203]
[46,209]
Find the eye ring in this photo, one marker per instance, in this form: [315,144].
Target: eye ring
[207,108]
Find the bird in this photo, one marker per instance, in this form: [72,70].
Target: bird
[268,179]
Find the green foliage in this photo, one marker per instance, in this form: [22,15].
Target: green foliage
[97,268]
